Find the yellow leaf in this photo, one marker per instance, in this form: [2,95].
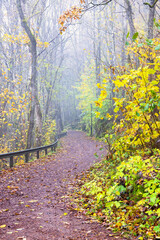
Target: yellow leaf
[99,85]
[33,201]
[3,226]
[158,212]
[6,210]
[97,114]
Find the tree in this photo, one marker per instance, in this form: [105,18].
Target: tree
[151,18]
[35,110]
[130,17]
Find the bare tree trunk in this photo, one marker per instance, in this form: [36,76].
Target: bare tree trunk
[150,19]
[35,111]
[98,58]
[124,33]
[97,50]
[50,90]
[130,17]
[59,124]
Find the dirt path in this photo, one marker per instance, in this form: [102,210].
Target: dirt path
[32,197]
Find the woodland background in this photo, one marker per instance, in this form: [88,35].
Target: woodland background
[69,65]
[55,63]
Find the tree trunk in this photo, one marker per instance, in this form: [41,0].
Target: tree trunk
[130,17]
[124,33]
[59,124]
[150,19]
[35,111]
[97,49]
[98,58]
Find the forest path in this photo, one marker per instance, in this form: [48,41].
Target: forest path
[32,202]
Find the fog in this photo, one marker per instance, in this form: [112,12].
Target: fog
[50,103]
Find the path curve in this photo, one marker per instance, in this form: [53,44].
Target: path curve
[32,196]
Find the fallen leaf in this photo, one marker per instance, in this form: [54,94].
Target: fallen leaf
[21,238]
[6,210]
[66,223]
[18,213]
[3,226]
[33,201]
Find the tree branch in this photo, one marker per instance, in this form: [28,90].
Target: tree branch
[105,2]
[92,5]
[151,6]
[24,23]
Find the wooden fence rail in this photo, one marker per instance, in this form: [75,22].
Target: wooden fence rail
[26,152]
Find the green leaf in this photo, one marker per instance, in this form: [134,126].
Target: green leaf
[121,188]
[157,47]
[153,198]
[146,107]
[135,36]
[95,154]
[149,42]
[137,113]
[140,45]
[128,34]
[101,148]
[127,43]
[117,204]
[157,228]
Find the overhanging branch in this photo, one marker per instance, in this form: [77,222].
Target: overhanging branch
[92,5]
[151,6]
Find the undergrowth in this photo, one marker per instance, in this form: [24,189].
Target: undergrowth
[123,190]
[124,195]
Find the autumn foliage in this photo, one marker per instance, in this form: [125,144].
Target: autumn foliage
[67,17]
[74,13]
[124,189]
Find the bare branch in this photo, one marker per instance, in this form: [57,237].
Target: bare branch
[24,24]
[93,5]
[151,6]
